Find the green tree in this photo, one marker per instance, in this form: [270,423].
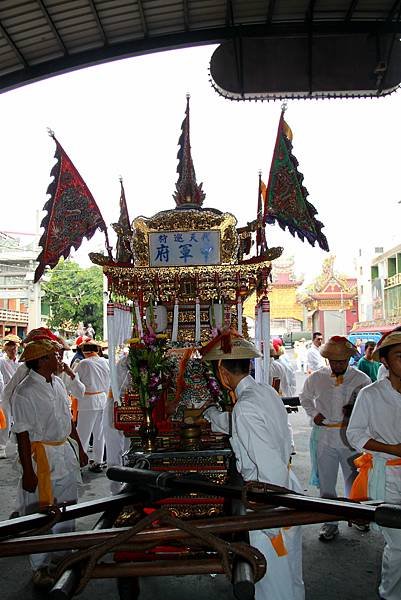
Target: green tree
[75,294]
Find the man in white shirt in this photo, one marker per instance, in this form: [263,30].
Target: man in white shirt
[49,449]
[8,366]
[327,397]
[71,380]
[94,373]
[261,441]
[315,360]
[115,440]
[374,429]
[277,372]
[291,385]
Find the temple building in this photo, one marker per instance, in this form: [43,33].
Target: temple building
[332,302]
[287,313]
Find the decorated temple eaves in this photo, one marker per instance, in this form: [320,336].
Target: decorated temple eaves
[332,301]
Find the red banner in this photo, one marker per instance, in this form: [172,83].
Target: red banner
[72,213]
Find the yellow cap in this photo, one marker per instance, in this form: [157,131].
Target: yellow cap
[338,348]
[38,349]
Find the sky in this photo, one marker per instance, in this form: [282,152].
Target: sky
[124,118]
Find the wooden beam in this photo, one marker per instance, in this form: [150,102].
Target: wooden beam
[309,11]
[185,8]
[52,26]
[143,19]
[350,10]
[392,11]
[11,43]
[270,10]
[98,22]
[229,13]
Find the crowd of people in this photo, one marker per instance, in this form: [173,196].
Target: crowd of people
[56,409]
[355,426]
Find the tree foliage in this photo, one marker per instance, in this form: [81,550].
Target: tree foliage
[75,294]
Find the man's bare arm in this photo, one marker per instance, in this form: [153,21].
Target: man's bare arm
[29,479]
[381,447]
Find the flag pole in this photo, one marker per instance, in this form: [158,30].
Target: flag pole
[259,216]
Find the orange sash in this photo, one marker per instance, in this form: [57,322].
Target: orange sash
[45,488]
[278,544]
[74,408]
[364,464]
[339,378]
[3,420]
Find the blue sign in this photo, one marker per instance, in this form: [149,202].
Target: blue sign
[184,248]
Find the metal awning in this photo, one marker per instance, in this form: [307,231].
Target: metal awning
[41,38]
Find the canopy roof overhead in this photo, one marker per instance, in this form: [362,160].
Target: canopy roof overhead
[41,38]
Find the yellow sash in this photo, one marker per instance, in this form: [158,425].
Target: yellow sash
[45,488]
[3,420]
[334,425]
[364,464]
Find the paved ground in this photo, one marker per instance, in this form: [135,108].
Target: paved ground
[346,569]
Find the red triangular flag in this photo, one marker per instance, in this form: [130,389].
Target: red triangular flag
[72,213]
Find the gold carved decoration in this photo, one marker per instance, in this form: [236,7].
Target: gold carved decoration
[185,220]
[165,283]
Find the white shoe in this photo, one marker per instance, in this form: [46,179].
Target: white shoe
[3,452]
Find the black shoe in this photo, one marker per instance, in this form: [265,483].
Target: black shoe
[42,578]
[95,468]
[363,527]
[328,532]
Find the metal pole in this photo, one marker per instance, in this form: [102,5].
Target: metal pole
[386,515]
[74,511]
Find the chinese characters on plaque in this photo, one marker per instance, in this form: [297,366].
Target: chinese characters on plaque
[184,248]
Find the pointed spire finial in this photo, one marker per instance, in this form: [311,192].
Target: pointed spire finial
[188,193]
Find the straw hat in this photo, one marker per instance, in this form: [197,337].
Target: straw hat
[389,339]
[38,349]
[88,341]
[63,343]
[229,346]
[40,333]
[12,338]
[338,348]
[77,342]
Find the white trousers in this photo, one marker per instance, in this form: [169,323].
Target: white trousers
[390,584]
[116,442]
[329,459]
[91,421]
[4,433]
[65,490]
[283,579]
